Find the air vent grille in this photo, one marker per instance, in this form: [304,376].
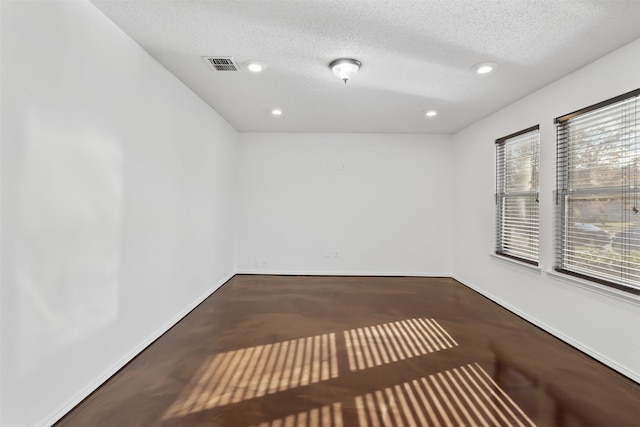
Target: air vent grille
[221,63]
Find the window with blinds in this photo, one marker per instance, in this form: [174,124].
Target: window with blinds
[517,225]
[598,208]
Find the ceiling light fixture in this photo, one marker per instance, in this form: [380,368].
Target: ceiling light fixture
[484,67]
[345,68]
[431,113]
[276,112]
[255,67]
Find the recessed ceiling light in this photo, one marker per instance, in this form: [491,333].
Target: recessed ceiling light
[484,67]
[276,112]
[255,67]
[431,113]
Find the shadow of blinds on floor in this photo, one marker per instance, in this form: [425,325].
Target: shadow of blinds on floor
[390,342]
[252,372]
[327,416]
[464,396]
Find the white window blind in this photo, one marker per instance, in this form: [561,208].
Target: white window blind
[598,209]
[517,224]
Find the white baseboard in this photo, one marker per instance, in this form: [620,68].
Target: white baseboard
[64,409]
[572,342]
[266,272]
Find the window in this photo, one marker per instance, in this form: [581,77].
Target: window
[598,216]
[517,225]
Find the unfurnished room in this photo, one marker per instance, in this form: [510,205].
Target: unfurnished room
[320,213]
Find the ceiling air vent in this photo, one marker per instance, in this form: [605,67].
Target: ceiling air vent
[221,63]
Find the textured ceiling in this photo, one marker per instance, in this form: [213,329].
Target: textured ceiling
[416,55]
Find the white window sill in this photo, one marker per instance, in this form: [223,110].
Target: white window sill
[595,287]
[517,263]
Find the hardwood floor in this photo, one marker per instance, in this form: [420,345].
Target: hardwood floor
[270,351]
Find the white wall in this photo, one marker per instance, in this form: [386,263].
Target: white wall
[117,192]
[604,324]
[381,200]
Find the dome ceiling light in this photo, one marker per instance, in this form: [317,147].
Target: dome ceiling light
[345,68]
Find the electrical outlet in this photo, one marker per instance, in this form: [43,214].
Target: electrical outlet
[336,253]
[257,264]
[326,253]
[264,263]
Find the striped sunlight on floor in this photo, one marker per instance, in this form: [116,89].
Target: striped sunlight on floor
[327,416]
[253,372]
[390,342]
[464,396]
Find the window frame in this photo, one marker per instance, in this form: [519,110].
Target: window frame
[562,193]
[502,195]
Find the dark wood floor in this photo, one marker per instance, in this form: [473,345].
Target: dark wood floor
[271,351]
